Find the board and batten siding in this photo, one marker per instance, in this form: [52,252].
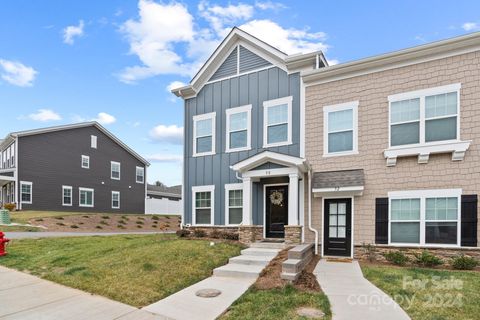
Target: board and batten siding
[53,159]
[253,88]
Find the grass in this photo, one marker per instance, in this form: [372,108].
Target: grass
[25,216]
[134,269]
[19,229]
[459,300]
[275,304]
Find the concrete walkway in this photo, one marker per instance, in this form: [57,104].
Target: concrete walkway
[352,296]
[36,235]
[232,280]
[26,297]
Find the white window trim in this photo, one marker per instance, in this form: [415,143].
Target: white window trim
[63,196]
[231,111]
[422,195]
[119,170]
[272,103]
[353,105]
[93,142]
[421,94]
[84,157]
[31,191]
[205,116]
[143,175]
[116,192]
[80,198]
[211,189]
[229,187]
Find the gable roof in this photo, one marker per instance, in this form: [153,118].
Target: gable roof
[269,156]
[266,51]
[173,191]
[95,124]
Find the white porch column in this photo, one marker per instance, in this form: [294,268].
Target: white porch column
[247,202]
[293,199]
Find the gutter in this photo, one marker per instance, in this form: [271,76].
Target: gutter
[310,208]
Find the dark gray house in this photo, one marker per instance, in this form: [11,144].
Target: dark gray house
[79,167]
[244,138]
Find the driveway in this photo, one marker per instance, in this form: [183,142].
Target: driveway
[35,235]
[26,297]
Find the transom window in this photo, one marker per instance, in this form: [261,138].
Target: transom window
[277,115]
[425,217]
[26,192]
[340,128]
[425,116]
[233,203]
[85,162]
[238,128]
[203,205]
[115,170]
[85,198]
[204,134]
[140,175]
[115,200]
[67,195]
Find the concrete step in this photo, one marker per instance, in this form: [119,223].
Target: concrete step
[268,245]
[265,252]
[293,265]
[301,251]
[250,260]
[289,276]
[238,271]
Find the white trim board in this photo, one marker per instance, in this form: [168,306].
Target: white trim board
[353,105]
[228,188]
[200,117]
[236,110]
[273,103]
[207,188]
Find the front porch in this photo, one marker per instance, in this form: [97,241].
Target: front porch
[7,188]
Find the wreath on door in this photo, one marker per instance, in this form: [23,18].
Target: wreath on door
[276,198]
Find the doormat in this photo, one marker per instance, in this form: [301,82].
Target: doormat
[344,260]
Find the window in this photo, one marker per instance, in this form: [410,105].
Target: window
[115,170]
[233,203]
[93,142]
[12,152]
[425,217]
[67,196]
[86,197]
[277,127]
[340,124]
[26,192]
[204,134]
[115,200]
[85,162]
[425,116]
[238,128]
[337,220]
[203,204]
[140,175]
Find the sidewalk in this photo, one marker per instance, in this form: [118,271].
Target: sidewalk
[23,296]
[352,296]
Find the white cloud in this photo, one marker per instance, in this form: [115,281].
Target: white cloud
[45,115]
[218,16]
[471,26]
[332,62]
[169,134]
[269,5]
[71,32]
[165,158]
[104,118]
[17,73]
[175,85]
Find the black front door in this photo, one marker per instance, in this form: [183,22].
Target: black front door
[276,211]
[338,227]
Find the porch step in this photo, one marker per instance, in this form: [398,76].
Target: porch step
[238,271]
[265,252]
[268,245]
[250,260]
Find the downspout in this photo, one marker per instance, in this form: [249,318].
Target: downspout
[310,208]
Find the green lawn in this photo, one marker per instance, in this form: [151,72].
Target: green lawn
[276,304]
[19,229]
[429,294]
[134,269]
[24,216]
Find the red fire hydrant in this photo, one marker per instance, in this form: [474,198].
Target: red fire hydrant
[3,244]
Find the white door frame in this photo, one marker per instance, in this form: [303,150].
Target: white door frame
[265,204]
[351,221]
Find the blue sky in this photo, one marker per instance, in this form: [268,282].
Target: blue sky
[113,61]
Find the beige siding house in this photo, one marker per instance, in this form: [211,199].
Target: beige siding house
[393,143]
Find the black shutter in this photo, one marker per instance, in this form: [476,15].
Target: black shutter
[381,220]
[469,220]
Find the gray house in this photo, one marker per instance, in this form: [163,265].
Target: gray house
[244,143]
[80,167]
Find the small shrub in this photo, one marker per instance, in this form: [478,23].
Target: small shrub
[10,206]
[59,218]
[105,217]
[427,259]
[74,226]
[104,223]
[98,227]
[463,262]
[60,224]
[198,233]
[140,218]
[168,217]
[86,217]
[121,222]
[396,257]
[154,226]
[183,233]
[155,218]
[230,235]
[81,223]
[139,227]
[370,251]
[125,218]
[139,222]
[216,234]
[120,226]
[39,219]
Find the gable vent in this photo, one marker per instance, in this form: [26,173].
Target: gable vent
[251,61]
[228,67]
